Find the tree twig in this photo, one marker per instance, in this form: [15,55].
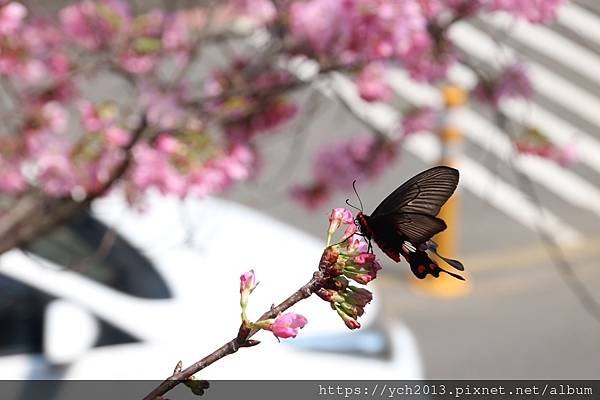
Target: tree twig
[241,340]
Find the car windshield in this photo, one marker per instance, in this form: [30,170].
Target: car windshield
[87,246]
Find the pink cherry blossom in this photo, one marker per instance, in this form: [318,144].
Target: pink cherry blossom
[164,109]
[94,24]
[341,216]
[201,125]
[11,17]
[137,63]
[220,173]
[12,181]
[420,119]
[372,85]
[247,281]
[568,154]
[154,169]
[337,218]
[357,29]
[247,286]
[97,117]
[539,11]
[57,175]
[511,82]
[261,11]
[168,144]
[339,164]
[311,196]
[288,325]
[116,136]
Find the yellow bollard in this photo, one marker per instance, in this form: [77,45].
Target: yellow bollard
[451,137]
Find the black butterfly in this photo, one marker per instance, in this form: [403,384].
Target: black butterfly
[405,221]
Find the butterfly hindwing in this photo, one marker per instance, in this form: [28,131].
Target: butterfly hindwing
[391,231]
[422,265]
[424,193]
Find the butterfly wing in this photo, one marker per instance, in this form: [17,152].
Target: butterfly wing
[424,193]
[406,220]
[422,265]
[391,231]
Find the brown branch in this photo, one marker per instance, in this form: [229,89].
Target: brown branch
[241,340]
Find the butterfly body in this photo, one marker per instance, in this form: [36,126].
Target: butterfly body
[405,221]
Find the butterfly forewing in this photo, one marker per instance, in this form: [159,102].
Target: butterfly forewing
[416,228]
[424,193]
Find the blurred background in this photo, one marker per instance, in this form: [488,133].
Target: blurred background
[525,226]
[518,319]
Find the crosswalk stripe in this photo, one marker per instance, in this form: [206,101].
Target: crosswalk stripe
[562,182]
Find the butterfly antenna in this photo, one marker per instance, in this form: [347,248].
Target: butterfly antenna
[356,192]
[348,202]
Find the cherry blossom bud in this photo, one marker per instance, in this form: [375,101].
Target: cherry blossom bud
[330,295]
[247,285]
[350,322]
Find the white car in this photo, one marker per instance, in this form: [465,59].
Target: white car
[163,285]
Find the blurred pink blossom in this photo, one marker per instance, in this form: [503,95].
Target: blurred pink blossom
[153,168]
[137,63]
[420,119]
[262,11]
[57,175]
[362,158]
[12,180]
[164,109]
[538,11]
[358,29]
[269,117]
[94,24]
[311,196]
[511,82]
[565,155]
[12,15]
[372,85]
[116,136]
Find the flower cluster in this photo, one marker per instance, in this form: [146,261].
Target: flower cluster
[357,29]
[349,302]
[353,260]
[252,113]
[189,164]
[200,128]
[349,259]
